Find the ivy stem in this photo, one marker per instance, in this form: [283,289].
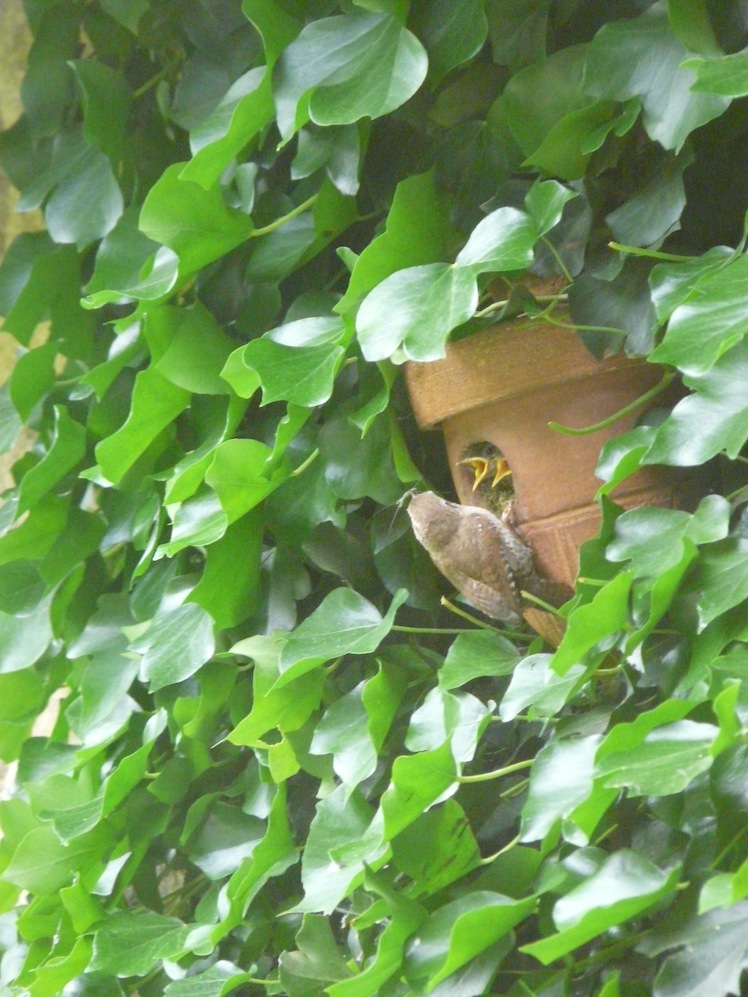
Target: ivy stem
[631,407]
[149,84]
[497,773]
[557,257]
[474,619]
[490,858]
[608,330]
[429,630]
[529,597]
[305,463]
[280,222]
[652,254]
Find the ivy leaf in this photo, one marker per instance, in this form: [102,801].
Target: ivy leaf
[242,112]
[452,32]
[106,104]
[81,195]
[711,320]
[722,578]
[129,264]
[624,885]
[66,450]
[502,241]
[640,57]
[674,283]
[131,944]
[343,623]
[474,654]
[710,953]
[560,780]
[457,718]
[437,848]
[188,348]
[34,276]
[545,202]
[417,232]
[654,212]
[416,308]
[156,402]
[195,223]
[297,374]
[550,116]
[343,733]
[665,762]
[535,683]
[42,864]
[340,69]
[653,538]
[317,959]
[341,821]
[712,419]
[726,76]
[216,981]
[175,645]
[457,932]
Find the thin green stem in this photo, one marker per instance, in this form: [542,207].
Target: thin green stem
[305,463]
[652,254]
[626,410]
[738,491]
[492,858]
[557,257]
[474,619]
[280,222]
[430,630]
[149,84]
[529,597]
[607,330]
[497,773]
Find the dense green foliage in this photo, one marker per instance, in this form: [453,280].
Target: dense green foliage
[280,766]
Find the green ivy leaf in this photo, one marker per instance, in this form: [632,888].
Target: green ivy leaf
[216,981]
[416,309]
[132,943]
[340,69]
[344,623]
[66,450]
[535,683]
[452,32]
[457,932]
[195,223]
[474,654]
[722,578]
[560,780]
[621,887]
[156,402]
[417,231]
[175,645]
[665,762]
[640,57]
[712,419]
[726,76]
[713,318]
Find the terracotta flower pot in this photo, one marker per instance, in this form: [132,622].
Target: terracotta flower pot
[505,385]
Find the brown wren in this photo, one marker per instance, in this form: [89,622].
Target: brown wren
[481,555]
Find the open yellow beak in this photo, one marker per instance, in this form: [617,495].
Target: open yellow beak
[481,467]
[502,471]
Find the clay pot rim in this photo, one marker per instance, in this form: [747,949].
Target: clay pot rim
[508,359]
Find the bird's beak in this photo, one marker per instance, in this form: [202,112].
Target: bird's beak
[502,471]
[479,466]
